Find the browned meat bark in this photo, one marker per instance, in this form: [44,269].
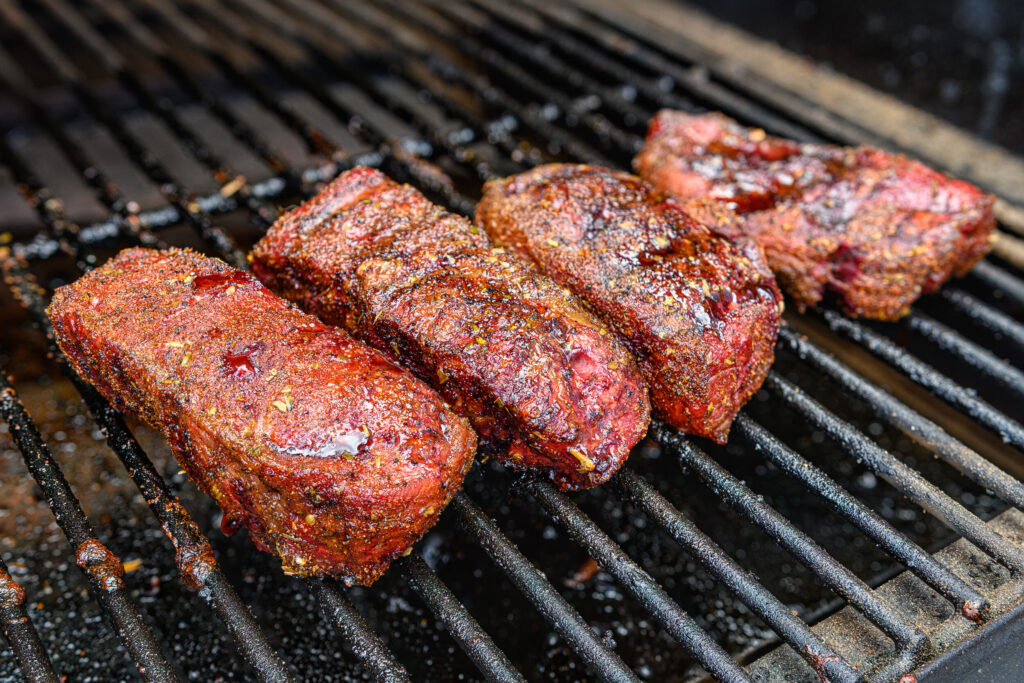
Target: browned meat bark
[701,314]
[333,457]
[544,382]
[875,228]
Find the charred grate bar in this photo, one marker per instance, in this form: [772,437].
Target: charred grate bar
[20,633]
[596,115]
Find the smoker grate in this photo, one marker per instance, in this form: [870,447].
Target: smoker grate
[515,86]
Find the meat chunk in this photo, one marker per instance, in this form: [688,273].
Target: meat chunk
[334,458]
[875,228]
[700,313]
[543,381]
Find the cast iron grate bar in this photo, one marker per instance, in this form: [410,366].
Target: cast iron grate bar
[363,640]
[971,603]
[908,638]
[21,635]
[740,581]
[101,567]
[1008,284]
[985,315]
[902,477]
[638,582]
[970,352]
[536,587]
[921,373]
[474,641]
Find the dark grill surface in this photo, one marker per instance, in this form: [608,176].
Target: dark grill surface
[142,122]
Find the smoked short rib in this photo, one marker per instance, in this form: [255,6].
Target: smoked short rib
[330,455]
[700,313]
[875,228]
[543,381]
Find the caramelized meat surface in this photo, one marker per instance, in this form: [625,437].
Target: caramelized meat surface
[543,381]
[700,313]
[330,455]
[875,228]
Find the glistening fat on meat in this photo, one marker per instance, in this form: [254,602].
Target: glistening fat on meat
[543,380]
[875,228]
[330,455]
[700,313]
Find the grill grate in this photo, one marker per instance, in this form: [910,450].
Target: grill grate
[481,62]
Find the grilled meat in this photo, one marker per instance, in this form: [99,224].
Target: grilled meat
[543,381]
[701,314]
[331,456]
[875,228]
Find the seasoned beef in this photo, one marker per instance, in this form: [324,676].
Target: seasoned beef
[330,455]
[543,381]
[700,313]
[875,228]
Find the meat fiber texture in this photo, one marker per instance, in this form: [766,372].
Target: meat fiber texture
[543,381]
[875,228]
[330,455]
[700,313]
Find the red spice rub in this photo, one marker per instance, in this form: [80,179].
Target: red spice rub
[700,313]
[875,228]
[544,382]
[333,457]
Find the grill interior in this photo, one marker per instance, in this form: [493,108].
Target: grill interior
[780,557]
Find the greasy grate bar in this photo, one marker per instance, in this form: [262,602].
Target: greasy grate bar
[881,532]
[971,352]
[101,567]
[799,544]
[474,641]
[902,477]
[599,126]
[21,635]
[645,589]
[985,315]
[920,372]
[360,637]
[535,586]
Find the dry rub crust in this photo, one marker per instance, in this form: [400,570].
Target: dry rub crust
[701,314]
[543,381]
[875,228]
[334,458]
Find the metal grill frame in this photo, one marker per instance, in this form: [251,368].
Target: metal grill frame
[594,124]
